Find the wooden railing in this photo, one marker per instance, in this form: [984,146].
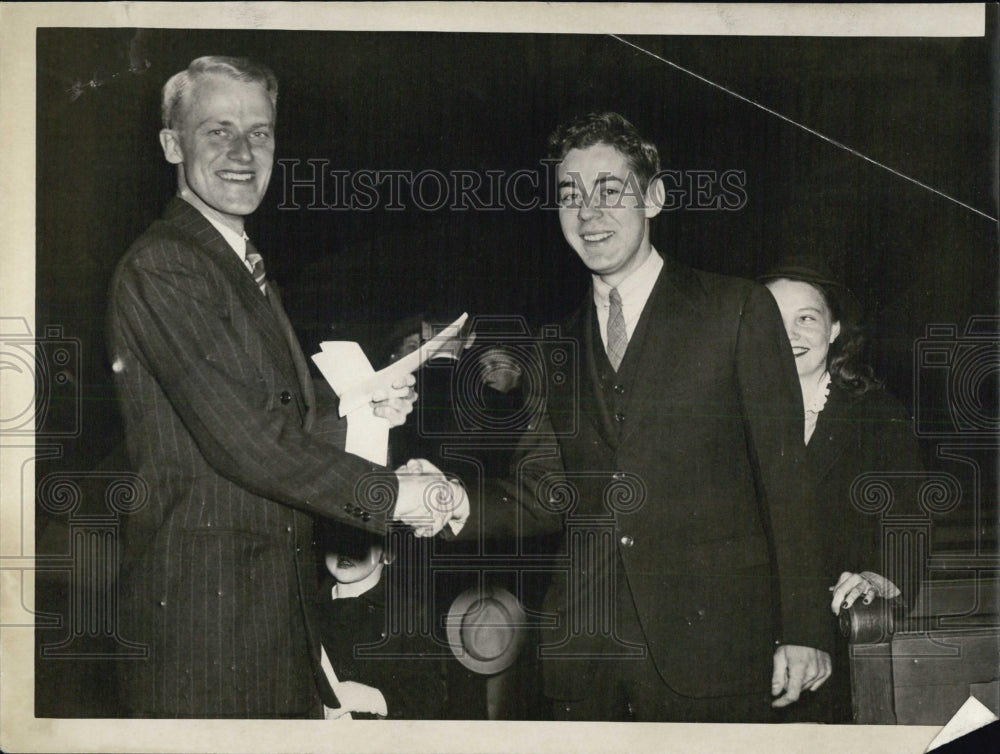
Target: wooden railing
[919,667]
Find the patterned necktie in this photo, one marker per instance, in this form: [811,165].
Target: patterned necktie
[617,335]
[256,261]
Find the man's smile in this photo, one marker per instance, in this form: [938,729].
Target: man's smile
[235,177]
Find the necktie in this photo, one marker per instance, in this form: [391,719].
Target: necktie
[617,336]
[256,261]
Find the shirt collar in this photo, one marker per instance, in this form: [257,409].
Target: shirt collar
[638,284]
[237,241]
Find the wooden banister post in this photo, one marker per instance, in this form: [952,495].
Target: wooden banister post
[869,630]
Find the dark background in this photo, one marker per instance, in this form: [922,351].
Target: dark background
[413,101]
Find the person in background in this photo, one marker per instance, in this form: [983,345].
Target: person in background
[376,669]
[405,338]
[502,400]
[430,433]
[500,411]
[852,427]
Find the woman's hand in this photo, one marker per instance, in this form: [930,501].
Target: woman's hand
[850,586]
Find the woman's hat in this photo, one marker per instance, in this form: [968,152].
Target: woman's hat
[815,270]
[486,629]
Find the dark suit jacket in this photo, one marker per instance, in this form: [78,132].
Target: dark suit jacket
[690,460]
[219,416]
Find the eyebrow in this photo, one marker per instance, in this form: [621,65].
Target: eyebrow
[604,179]
[215,121]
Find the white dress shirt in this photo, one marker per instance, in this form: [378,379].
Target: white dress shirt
[634,291]
[237,241]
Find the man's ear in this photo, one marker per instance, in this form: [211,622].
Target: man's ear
[388,556]
[656,197]
[171,144]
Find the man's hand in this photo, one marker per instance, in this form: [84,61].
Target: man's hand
[428,500]
[396,403]
[357,697]
[850,586]
[796,668]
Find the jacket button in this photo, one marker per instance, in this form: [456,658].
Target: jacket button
[620,389]
[285,397]
[358,511]
[627,541]
[366,516]
[619,417]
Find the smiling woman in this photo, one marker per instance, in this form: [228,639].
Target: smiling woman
[811,330]
[852,428]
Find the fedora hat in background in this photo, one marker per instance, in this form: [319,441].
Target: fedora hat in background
[486,629]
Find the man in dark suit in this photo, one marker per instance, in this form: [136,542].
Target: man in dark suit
[222,423]
[691,522]
[691,570]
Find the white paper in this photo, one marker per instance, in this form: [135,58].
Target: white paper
[971,716]
[344,365]
[360,393]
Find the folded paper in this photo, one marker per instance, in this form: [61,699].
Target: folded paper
[344,365]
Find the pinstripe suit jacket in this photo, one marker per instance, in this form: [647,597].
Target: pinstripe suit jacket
[220,422]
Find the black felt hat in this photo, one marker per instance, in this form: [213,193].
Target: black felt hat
[815,270]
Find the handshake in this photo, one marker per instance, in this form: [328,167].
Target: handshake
[428,500]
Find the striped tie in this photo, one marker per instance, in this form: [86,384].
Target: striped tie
[617,335]
[256,261]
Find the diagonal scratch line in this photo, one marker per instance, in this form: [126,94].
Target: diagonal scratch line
[785,118]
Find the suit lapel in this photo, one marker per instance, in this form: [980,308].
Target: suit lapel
[655,354]
[591,393]
[268,318]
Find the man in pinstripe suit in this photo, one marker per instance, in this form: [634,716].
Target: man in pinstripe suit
[221,422]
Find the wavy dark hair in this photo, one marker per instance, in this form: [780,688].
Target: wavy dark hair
[843,362]
[611,129]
